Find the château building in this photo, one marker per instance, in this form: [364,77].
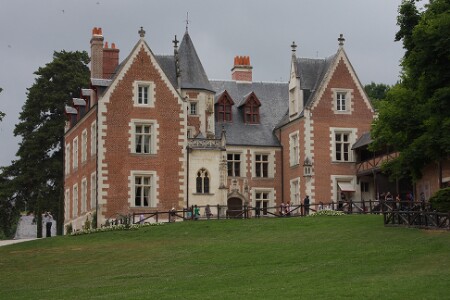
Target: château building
[153,132]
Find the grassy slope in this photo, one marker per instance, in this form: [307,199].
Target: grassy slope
[320,258]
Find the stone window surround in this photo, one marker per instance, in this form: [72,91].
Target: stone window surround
[352,140]
[154,135]
[153,189]
[348,100]
[294,158]
[151,93]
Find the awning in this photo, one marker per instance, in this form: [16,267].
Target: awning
[346,187]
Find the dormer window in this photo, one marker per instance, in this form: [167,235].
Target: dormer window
[251,106]
[223,108]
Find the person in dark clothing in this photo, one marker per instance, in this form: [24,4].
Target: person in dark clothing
[306,204]
[48,220]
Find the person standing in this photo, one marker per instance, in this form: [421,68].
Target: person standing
[48,220]
[208,211]
[196,212]
[306,204]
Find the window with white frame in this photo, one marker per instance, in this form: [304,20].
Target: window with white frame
[84,137]
[143,138]
[341,141]
[234,164]
[67,204]
[143,93]
[292,102]
[75,153]
[75,201]
[295,192]
[262,165]
[202,182]
[83,195]
[262,201]
[342,100]
[93,138]
[67,162]
[342,146]
[294,149]
[193,110]
[93,191]
[143,190]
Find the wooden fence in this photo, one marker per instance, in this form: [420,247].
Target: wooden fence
[411,214]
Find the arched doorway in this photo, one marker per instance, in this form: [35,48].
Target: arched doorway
[234,208]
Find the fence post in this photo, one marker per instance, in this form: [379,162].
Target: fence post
[363,206]
[157,217]
[218,212]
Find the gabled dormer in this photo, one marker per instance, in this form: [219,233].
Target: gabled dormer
[223,107]
[250,108]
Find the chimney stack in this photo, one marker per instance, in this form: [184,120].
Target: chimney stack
[97,53]
[242,70]
[110,60]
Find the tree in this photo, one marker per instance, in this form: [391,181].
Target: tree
[2,114]
[38,173]
[376,92]
[415,118]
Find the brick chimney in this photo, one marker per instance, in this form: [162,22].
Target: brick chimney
[242,70]
[110,60]
[97,53]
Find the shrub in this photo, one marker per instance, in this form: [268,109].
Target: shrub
[441,200]
[69,228]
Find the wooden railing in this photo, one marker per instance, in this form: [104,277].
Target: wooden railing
[405,213]
[419,215]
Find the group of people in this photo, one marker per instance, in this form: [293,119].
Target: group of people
[195,214]
[408,203]
[285,209]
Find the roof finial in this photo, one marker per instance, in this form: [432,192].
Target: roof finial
[141,32]
[175,42]
[293,46]
[341,40]
[187,21]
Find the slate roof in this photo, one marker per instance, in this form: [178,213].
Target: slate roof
[363,140]
[193,76]
[311,72]
[167,63]
[274,103]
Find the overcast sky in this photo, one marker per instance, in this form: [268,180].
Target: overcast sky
[264,30]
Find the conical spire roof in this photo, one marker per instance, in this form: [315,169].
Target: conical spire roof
[193,75]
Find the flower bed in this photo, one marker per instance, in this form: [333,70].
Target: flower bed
[115,228]
[327,213]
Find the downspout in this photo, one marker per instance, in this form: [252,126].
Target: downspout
[187,176]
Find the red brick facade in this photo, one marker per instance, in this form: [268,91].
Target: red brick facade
[118,158]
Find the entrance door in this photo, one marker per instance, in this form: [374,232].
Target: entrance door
[234,208]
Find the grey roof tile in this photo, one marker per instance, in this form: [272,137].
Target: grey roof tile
[364,140]
[193,75]
[167,63]
[274,103]
[311,72]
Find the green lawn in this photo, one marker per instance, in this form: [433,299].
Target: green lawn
[309,258]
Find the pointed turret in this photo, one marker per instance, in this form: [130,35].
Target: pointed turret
[193,75]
